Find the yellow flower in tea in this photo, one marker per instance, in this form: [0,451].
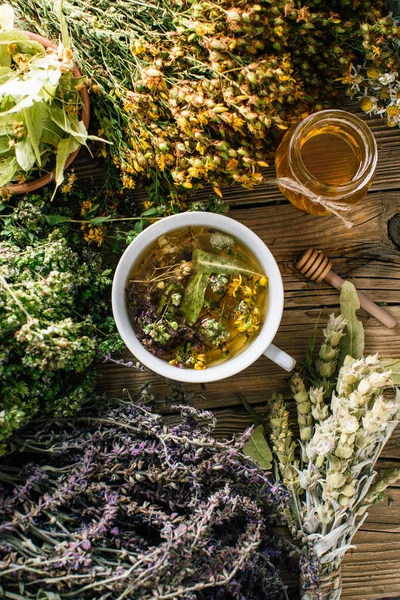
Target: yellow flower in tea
[248,322]
[234,286]
[248,292]
[263,281]
[199,361]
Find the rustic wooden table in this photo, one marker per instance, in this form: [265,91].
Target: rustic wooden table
[367,255]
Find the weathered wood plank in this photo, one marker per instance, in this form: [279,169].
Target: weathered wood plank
[367,256]
[262,378]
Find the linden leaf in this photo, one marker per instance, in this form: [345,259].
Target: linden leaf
[8,168]
[24,154]
[206,262]
[193,299]
[258,449]
[352,343]
[4,144]
[73,127]
[64,149]
[34,118]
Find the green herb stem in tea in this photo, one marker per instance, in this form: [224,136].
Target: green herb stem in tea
[197,297]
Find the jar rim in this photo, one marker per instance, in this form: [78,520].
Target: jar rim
[364,137]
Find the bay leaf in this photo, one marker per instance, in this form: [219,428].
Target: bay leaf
[206,262]
[394,365]
[352,343]
[193,299]
[258,449]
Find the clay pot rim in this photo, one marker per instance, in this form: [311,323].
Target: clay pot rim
[35,184]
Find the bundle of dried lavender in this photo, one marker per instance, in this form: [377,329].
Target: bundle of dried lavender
[334,481]
[118,505]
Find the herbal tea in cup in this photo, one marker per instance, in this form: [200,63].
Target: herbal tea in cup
[199,290]
[197,297]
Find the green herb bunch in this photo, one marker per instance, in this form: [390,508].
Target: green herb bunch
[194,93]
[54,319]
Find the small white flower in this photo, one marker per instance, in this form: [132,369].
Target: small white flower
[347,423]
[387,78]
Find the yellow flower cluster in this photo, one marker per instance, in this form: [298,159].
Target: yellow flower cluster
[247,314]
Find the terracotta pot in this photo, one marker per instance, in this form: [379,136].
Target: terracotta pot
[30,186]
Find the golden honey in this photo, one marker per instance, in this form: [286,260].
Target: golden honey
[330,160]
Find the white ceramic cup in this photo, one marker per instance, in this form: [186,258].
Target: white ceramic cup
[262,342]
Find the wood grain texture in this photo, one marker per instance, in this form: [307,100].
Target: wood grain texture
[364,254]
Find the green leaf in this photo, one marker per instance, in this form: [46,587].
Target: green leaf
[56,219]
[258,449]
[150,212]
[139,227]
[352,343]
[64,149]
[51,133]
[308,363]
[73,127]
[394,365]
[5,72]
[193,299]
[8,168]
[99,220]
[90,213]
[7,37]
[206,262]
[34,118]
[24,154]
[66,40]
[3,207]
[4,144]
[256,417]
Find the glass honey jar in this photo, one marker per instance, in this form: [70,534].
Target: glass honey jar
[326,162]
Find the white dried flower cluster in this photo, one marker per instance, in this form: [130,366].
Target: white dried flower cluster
[378,92]
[341,438]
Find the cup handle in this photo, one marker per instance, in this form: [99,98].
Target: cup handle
[280,357]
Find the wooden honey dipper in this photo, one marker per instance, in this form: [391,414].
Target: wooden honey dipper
[316,266]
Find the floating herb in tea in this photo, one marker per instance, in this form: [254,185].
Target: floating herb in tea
[197,297]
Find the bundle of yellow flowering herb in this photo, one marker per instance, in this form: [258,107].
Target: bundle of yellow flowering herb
[114,504]
[345,420]
[198,92]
